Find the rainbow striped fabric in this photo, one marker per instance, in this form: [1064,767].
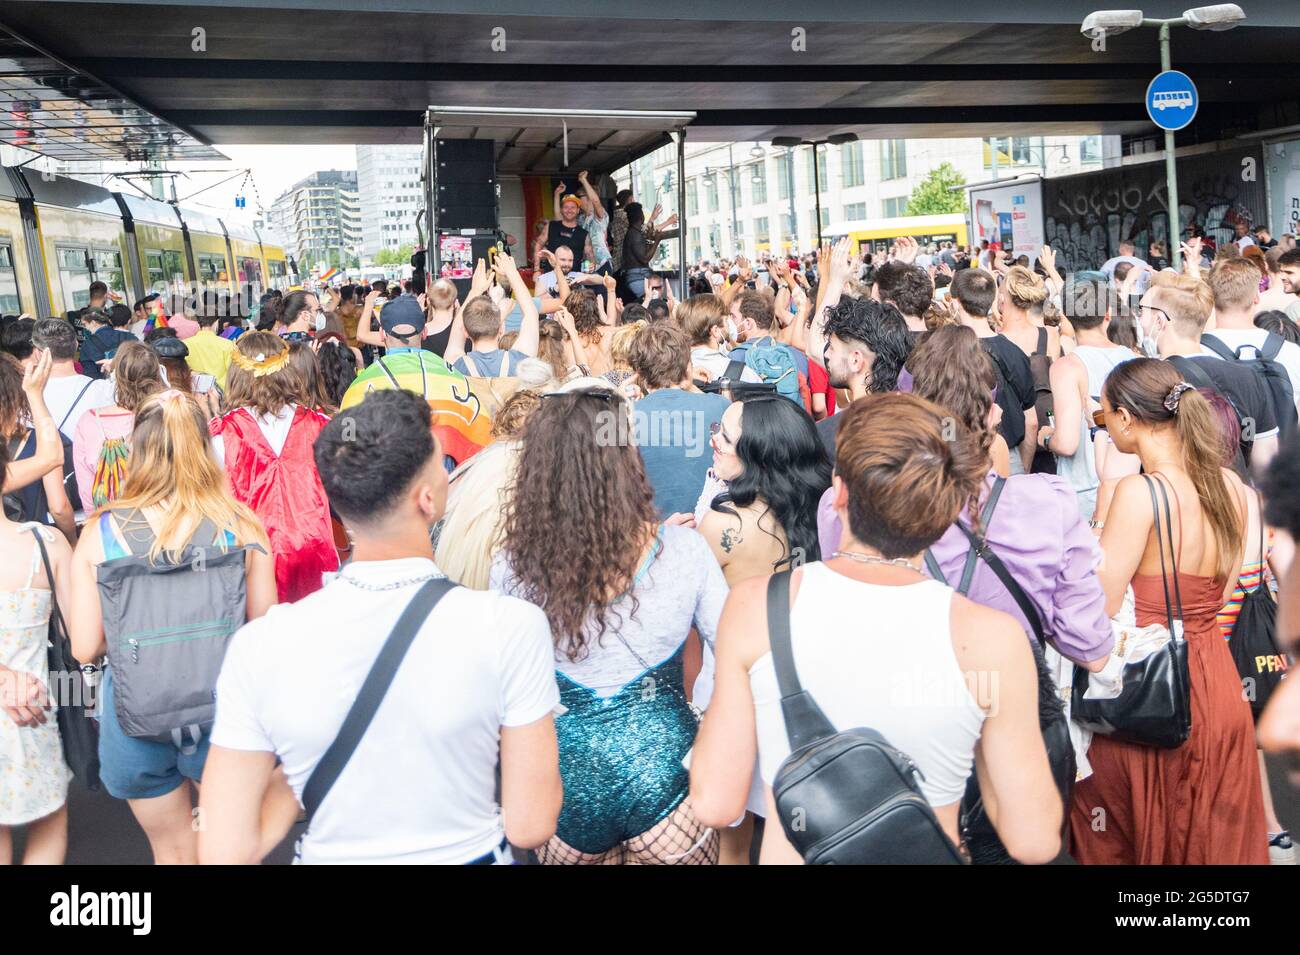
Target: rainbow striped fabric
[462,418]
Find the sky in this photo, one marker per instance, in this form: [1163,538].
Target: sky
[274,169]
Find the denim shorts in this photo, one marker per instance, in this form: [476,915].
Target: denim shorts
[133,768]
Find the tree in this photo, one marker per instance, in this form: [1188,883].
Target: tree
[398,256]
[933,195]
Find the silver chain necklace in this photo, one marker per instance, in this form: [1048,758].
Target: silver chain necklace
[394,585]
[873,559]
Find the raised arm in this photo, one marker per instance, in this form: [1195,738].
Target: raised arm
[593,197]
[365,334]
[49,447]
[834,275]
[529,329]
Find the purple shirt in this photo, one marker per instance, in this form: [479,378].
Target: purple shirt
[1048,548]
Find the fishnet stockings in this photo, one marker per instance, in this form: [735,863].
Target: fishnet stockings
[680,839]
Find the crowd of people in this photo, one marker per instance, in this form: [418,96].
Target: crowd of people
[480,575]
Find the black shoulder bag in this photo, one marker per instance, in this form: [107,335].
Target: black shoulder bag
[844,798]
[371,694]
[1154,707]
[1261,663]
[977,829]
[73,700]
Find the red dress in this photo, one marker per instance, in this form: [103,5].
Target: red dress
[1200,803]
[285,492]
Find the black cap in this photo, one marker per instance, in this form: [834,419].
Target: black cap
[169,347]
[403,312]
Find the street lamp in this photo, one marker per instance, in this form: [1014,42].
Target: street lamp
[1218,17]
[838,139]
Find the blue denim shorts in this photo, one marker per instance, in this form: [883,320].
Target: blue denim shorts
[133,768]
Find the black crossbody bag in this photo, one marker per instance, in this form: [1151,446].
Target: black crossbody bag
[977,829]
[74,700]
[844,798]
[371,694]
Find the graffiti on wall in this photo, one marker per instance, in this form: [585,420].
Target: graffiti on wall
[1088,216]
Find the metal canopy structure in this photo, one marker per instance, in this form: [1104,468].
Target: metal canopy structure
[552,142]
[541,142]
[348,71]
[58,111]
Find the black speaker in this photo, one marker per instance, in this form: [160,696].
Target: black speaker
[467,184]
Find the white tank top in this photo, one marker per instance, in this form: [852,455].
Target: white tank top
[877,657]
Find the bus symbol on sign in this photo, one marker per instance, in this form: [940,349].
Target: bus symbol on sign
[1171,100]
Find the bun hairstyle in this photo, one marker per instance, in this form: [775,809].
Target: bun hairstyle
[1154,393]
[908,474]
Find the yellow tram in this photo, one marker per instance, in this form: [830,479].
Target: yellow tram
[58,235]
[877,235]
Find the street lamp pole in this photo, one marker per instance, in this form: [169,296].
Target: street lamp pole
[732,187]
[1171,167]
[817,192]
[1103,23]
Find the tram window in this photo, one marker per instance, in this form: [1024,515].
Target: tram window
[212,268]
[250,271]
[279,272]
[74,276]
[164,267]
[10,304]
[108,269]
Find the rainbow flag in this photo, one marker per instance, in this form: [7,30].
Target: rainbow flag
[328,274]
[157,320]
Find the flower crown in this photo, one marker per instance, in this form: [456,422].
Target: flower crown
[261,365]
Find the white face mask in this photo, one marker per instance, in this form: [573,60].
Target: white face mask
[1146,342]
[732,331]
[320,321]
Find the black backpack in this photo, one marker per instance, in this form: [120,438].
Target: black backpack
[1272,374]
[844,798]
[1261,663]
[981,838]
[1201,379]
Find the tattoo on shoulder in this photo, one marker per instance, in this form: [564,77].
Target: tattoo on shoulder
[730,538]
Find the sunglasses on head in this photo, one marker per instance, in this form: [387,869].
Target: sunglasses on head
[604,394]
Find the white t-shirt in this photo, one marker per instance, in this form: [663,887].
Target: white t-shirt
[62,393]
[1245,242]
[420,787]
[1234,338]
[275,428]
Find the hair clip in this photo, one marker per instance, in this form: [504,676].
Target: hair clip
[1175,395]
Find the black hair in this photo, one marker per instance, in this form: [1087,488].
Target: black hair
[658,309]
[97,288]
[785,467]
[1084,302]
[57,336]
[635,215]
[338,368]
[16,338]
[368,455]
[635,312]
[622,197]
[119,316]
[906,286]
[881,329]
[294,303]
[268,315]
[1279,323]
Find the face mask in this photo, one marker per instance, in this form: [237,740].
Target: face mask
[320,321]
[1146,342]
[732,331]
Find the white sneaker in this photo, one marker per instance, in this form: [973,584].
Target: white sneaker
[1281,850]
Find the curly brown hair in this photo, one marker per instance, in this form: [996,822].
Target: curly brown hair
[513,414]
[586,314]
[579,514]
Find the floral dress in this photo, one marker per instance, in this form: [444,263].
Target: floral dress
[33,773]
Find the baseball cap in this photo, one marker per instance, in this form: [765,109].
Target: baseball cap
[402,317]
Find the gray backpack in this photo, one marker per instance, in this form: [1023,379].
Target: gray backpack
[168,626]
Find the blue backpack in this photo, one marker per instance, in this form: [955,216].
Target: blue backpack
[775,366]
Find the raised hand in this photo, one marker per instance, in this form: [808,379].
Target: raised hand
[37,374]
[945,269]
[480,282]
[906,249]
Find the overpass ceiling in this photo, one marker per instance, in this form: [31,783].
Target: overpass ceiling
[342,71]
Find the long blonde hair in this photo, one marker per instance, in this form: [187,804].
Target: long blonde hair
[172,469]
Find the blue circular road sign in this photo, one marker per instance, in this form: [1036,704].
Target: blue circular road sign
[1172,100]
